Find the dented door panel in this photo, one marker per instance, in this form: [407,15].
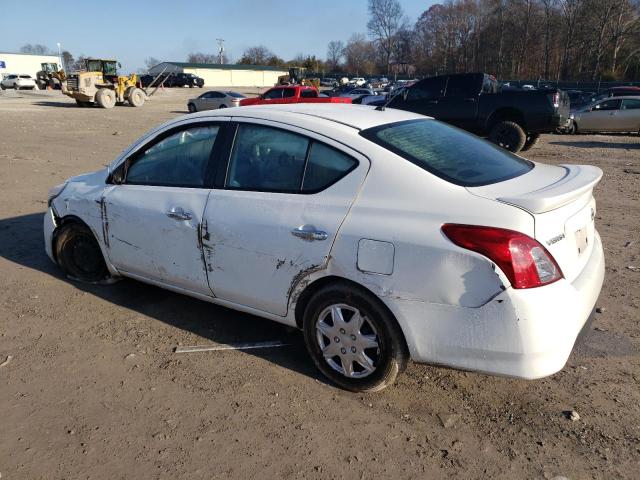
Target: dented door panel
[146,236]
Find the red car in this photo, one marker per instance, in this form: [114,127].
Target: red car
[291,94]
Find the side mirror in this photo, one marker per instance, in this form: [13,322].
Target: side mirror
[117,177]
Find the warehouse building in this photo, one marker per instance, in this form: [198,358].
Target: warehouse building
[24,63]
[216,75]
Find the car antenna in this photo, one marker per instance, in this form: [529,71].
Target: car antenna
[382,107]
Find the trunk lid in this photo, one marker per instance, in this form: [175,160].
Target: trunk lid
[560,199]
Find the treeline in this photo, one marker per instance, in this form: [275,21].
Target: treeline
[512,39]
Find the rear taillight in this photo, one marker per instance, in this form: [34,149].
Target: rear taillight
[556,99]
[525,262]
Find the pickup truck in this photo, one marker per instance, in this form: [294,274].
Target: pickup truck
[473,101]
[291,94]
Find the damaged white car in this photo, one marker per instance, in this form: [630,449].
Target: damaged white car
[383,235]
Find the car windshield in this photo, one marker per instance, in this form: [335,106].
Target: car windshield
[449,153]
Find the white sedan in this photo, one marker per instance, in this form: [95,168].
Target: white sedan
[382,234]
[18,82]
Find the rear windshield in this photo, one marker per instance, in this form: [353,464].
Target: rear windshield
[235,94]
[448,152]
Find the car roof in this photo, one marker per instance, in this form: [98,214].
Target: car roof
[359,117]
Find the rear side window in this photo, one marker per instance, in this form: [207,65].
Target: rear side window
[325,167]
[288,92]
[462,86]
[267,159]
[308,94]
[449,153]
[631,104]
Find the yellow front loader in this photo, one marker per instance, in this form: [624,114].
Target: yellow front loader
[100,84]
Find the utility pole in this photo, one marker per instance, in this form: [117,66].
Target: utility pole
[220,49]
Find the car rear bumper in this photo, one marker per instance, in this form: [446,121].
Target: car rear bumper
[527,333]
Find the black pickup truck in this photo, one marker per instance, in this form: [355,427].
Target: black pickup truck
[474,102]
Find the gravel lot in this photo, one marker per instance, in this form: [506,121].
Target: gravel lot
[92,388]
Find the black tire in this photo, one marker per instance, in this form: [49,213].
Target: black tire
[222,106]
[192,108]
[16,87]
[79,255]
[2,87]
[509,135]
[387,359]
[531,142]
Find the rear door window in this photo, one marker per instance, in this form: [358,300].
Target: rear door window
[267,159]
[288,92]
[461,86]
[449,153]
[308,94]
[631,104]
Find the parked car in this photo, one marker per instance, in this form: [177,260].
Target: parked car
[512,119]
[614,114]
[18,82]
[214,99]
[357,92]
[383,235]
[329,82]
[579,98]
[616,92]
[185,80]
[291,94]
[357,81]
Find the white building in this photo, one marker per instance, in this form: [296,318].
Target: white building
[24,63]
[216,75]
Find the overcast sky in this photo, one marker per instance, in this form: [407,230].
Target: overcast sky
[168,30]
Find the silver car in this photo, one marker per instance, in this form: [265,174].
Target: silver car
[614,114]
[214,99]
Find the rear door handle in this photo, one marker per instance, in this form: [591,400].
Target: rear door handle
[309,233]
[177,213]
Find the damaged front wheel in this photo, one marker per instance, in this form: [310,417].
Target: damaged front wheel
[79,254]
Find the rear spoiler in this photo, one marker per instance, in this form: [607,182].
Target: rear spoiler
[579,179]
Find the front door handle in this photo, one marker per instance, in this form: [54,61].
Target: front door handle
[178,213]
[435,102]
[309,233]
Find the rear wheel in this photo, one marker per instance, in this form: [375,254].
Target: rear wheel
[353,339]
[223,106]
[16,87]
[192,108]
[79,255]
[531,141]
[106,98]
[136,97]
[509,135]
[2,86]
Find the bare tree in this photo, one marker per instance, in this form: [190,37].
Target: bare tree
[385,21]
[335,52]
[359,55]
[260,55]
[151,62]
[36,49]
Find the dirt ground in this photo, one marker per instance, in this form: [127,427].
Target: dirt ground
[92,388]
